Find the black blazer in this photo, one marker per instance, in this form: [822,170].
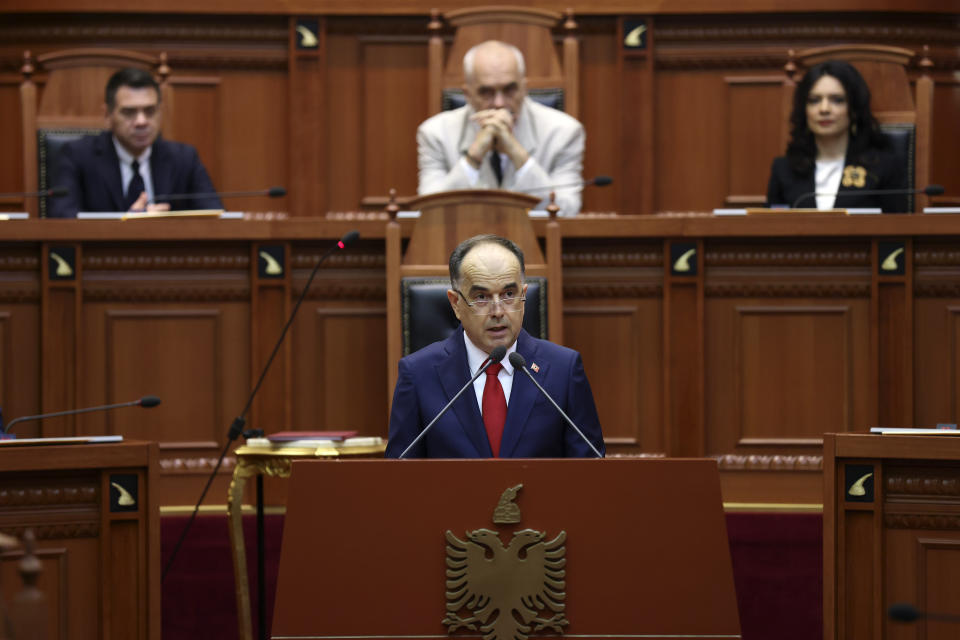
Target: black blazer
[90,171]
[883,170]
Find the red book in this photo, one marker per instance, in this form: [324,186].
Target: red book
[287,436]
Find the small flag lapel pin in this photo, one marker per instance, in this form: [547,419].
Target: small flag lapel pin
[535,367]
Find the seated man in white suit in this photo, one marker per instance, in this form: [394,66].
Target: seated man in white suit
[501,139]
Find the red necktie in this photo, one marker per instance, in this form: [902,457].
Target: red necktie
[494,408]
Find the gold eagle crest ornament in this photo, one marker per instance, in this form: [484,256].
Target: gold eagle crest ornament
[508,591]
[854,177]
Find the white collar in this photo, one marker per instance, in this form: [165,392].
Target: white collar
[476,356]
[127,158]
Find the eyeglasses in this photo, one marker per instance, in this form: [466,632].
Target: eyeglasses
[482,304]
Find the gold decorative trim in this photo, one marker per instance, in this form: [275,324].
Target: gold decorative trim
[740,462]
[773,507]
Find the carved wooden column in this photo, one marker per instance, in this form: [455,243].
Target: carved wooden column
[892,321]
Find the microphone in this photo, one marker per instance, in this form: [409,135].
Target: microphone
[520,364]
[906,612]
[55,192]
[597,181]
[236,427]
[146,402]
[929,190]
[273,192]
[495,356]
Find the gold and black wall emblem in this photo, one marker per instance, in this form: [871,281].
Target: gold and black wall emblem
[506,591]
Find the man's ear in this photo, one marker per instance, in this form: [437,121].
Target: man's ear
[452,297]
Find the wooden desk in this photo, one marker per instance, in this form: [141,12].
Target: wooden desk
[274,461]
[100,555]
[890,537]
[779,327]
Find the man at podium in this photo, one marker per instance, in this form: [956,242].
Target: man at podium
[501,139]
[504,415]
[125,168]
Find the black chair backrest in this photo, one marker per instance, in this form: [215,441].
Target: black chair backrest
[49,144]
[454,98]
[428,318]
[900,137]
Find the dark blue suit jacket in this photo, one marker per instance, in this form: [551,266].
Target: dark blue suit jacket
[90,170]
[534,429]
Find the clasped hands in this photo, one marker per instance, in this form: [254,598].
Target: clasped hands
[496,133]
[142,204]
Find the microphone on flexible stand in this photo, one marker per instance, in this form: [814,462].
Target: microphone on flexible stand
[272,192]
[495,356]
[929,190]
[146,402]
[906,612]
[55,192]
[520,363]
[236,427]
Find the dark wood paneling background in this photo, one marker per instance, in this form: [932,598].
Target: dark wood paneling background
[335,126]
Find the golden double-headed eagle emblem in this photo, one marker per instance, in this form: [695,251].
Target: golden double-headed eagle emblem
[507,592]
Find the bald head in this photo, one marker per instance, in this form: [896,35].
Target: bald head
[494,76]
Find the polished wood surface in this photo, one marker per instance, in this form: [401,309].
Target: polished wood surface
[788,328]
[100,564]
[901,546]
[381,532]
[689,124]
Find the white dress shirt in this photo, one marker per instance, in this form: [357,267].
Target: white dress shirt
[475,359]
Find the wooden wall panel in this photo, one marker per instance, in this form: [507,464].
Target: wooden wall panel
[192,118]
[11,151]
[599,88]
[944,168]
[691,133]
[753,137]
[936,360]
[793,370]
[394,103]
[345,169]
[253,139]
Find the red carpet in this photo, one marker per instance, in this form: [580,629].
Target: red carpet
[777,567]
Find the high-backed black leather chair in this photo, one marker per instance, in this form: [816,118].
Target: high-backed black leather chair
[49,144]
[427,316]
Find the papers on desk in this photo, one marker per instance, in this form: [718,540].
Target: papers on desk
[15,442]
[18,215]
[945,430]
[941,209]
[153,215]
[787,211]
[313,443]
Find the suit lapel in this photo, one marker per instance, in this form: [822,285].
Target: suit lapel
[454,373]
[523,395]
[161,170]
[109,169]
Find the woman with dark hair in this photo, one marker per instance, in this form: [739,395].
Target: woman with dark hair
[836,148]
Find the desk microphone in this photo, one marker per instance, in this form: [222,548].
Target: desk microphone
[55,192]
[495,356]
[929,190]
[146,402]
[520,364]
[596,181]
[906,612]
[273,192]
[236,427]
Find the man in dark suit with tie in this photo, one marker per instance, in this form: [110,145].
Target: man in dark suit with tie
[127,167]
[504,415]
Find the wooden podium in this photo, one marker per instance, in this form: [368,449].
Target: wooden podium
[93,510]
[368,547]
[891,533]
